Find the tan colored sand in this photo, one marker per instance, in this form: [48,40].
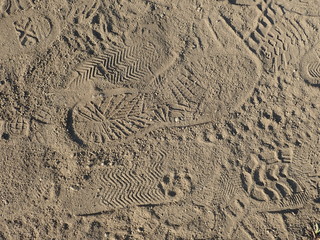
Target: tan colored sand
[159,119]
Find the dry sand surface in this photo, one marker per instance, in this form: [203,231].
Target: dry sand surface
[159,119]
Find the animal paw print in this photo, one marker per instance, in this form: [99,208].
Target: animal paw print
[175,185]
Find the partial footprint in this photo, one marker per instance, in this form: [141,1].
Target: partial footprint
[273,186]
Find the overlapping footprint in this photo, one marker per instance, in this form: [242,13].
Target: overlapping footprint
[148,88]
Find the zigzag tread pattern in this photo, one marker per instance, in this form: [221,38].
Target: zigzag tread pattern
[314,69]
[123,187]
[117,65]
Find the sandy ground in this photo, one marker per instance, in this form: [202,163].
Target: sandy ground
[159,119]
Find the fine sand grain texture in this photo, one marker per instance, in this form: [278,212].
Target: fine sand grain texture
[159,119]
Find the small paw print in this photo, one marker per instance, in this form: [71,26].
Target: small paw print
[175,185]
